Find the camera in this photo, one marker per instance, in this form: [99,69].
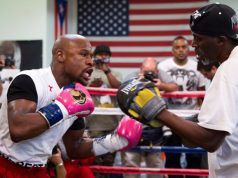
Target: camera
[101,61]
[149,75]
[9,61]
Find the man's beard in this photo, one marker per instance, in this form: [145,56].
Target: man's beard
[83,82]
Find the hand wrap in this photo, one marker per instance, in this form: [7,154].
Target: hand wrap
[70,102]
[126,136]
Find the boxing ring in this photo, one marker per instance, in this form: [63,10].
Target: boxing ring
[165,149]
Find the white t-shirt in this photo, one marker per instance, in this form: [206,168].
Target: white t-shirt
[220,112]
[187,77]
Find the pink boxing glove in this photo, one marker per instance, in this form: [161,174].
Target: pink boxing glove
[130,130]
[70,102]
[76,100]
[126,136]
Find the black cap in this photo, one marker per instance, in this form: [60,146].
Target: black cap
[102,49]
[215,20]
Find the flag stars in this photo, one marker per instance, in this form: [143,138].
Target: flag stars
[110,13]
[104,17]
[110,6]
[111,21]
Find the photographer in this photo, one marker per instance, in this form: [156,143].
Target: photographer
[8,71]
[103,77]
[150,136]
[102,73]
[149,70]
[7,62]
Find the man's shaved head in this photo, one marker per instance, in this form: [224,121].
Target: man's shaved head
[65,40]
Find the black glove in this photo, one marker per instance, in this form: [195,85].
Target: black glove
[167,133]
[140,99]
[151,136]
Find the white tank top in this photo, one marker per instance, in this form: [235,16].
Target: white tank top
[38,149]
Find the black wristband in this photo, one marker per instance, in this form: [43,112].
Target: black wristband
[107,71]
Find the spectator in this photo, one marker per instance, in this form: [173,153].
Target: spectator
[8,71]
[103,77]
[184,72]
[57,161]
[150,71]
[150,136]
[208,70]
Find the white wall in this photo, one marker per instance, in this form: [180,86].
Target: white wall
[24,20]
[34,20]
[231,3]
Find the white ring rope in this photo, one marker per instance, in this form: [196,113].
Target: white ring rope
[117,111]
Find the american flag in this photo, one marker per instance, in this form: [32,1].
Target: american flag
[136,29]
[61,17]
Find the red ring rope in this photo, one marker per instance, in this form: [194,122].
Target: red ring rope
[176,94]
[135,170]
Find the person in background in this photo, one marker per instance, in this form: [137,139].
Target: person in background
[7,72]
[150,136]
[184,72]
[149,70]
[58,163]
[208,70]
[103,77]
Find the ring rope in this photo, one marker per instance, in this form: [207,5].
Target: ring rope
[175,94]
[169,149]
[117,111]
[136,170]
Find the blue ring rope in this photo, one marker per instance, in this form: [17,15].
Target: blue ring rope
[169,149]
